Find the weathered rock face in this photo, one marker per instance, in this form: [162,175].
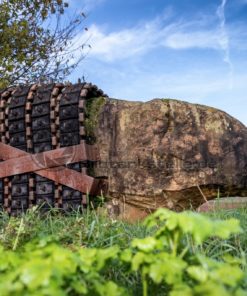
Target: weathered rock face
[168,153]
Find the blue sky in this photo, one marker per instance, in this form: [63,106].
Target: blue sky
[193,50]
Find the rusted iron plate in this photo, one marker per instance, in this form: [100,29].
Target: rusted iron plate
[72,179]
[33,162]
[18,162]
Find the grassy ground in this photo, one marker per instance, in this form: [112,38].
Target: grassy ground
[87,229]
[90,229]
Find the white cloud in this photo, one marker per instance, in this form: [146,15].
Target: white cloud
[133,42]
[224,39]
[122,44]
[200,39]
[180,75]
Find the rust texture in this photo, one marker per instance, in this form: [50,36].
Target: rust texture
[47,158]
[23,162]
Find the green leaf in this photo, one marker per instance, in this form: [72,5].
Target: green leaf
[198,273]
[224,229]
[197,225]
[140,259]
[105,254]
[146,244]
[126,255]
[227,274]
[110,289]
[168,269]
[182,290]
[79,287]
[36,273]
[211,289]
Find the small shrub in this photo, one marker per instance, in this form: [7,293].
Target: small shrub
[172,256]
[170,260]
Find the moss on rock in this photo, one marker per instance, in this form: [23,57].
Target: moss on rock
[93,107]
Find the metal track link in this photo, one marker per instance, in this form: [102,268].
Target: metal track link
[69,135]
[42,141]
[5,183]
[20,137]
[56,95]
[40,118]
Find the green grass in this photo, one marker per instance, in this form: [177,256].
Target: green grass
[237,245]
[91,229]
[88,229]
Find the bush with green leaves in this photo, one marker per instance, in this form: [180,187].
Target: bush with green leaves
[49,269]
[173,255]
[171,261]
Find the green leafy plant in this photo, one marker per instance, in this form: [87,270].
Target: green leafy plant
[173,255]
[49,269]
[170,259]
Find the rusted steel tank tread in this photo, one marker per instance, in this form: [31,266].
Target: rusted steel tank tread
[40,118]
[69,136]
[19,193]
[44,189]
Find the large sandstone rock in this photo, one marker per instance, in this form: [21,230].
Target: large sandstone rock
[168,153]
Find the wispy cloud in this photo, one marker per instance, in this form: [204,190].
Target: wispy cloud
[141,39]
[157,33]
[198,39]
[184,56]
[224,39]
[122,44]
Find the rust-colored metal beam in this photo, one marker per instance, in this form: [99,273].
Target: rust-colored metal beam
[48,159]
[49,165]
[72,179]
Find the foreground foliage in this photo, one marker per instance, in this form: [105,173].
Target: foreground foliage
[170,257]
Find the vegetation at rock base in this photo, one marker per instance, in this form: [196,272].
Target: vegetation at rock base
[37,41]
[93,107]
[90,254]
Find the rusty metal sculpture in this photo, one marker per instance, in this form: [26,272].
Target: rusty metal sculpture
[44,148]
